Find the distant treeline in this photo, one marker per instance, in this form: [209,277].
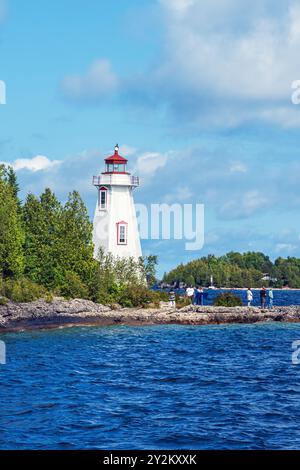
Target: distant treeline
[46,249]
[251,269]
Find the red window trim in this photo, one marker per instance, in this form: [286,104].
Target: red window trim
[122,222]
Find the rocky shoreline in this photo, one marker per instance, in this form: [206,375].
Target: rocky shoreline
[63,313]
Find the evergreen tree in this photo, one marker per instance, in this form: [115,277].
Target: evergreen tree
[33,247]
[75,246]
[148,265]
[11,233]
[11,178]
[42,232]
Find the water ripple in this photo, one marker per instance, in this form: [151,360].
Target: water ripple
[209,387]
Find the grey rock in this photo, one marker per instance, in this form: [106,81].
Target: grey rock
[40,314]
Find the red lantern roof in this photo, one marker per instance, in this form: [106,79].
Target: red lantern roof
[116,158]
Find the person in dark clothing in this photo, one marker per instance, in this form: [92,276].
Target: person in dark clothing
[195,298]
[263,297]
[199,296]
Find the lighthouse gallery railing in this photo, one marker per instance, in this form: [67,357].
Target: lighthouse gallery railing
[109,179]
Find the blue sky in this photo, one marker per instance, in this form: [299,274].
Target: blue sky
[196,92]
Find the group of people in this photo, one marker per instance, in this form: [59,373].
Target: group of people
[195,295]
[266,297]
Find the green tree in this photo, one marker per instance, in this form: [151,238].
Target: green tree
[190,280]
[11,179]
[149,265]
[75,247]
[73,287]
[11,232]
[42,232]
[117,279]
[231,270]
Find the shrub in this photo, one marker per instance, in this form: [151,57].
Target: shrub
[127,303]
[48,298]
[163,295]
[23,290]
[182,301]
[107,294]
[73,287]
[3,301]
[138,296]
[227,299]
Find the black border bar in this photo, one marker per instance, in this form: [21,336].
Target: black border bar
[137,458]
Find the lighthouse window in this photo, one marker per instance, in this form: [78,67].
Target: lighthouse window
[103,199]
[122,234]
[116,168]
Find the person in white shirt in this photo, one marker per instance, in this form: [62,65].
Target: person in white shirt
[190,293]
[249,296]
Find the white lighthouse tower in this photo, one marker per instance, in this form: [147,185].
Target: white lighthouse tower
[115,224]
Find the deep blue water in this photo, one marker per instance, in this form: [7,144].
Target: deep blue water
[281,296]
[160,387]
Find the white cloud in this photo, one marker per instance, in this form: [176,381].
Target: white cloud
[98,82]
[238,167]
[126,150]
[149,162]
[285,248]
[223,63]
[181,194]
[244,205]
[285,116]
[179,6]
[38,163]
[228,62]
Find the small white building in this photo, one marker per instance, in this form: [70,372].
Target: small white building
[115,223]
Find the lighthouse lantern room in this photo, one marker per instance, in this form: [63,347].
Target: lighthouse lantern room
[115,224]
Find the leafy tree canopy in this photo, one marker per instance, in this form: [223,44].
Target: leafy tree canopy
[250,269]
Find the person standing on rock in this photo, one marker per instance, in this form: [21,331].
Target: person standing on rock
[249,296]
[199,296]
[172,298]
[263,297]
[190,293]
[196,296]
[271,297]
